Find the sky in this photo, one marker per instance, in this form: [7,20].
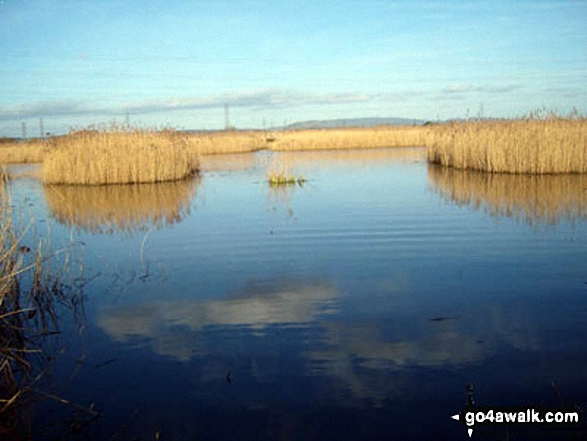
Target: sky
[176,63]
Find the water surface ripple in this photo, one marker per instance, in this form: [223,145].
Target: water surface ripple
[358,306]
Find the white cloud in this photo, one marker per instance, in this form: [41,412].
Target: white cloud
[255,99]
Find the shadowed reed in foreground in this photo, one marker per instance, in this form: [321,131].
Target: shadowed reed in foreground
[525,146]
[31,289]
[119,157]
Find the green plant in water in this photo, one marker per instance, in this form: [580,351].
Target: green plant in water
[276,180]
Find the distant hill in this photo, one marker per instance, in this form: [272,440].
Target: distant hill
[354,122]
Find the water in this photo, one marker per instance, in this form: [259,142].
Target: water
[357,306]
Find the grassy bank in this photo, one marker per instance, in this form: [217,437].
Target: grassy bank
[22,152]
[119,157]
[523,146]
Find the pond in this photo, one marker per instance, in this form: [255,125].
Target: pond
[361,305]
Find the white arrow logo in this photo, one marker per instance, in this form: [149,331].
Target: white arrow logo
[457,417]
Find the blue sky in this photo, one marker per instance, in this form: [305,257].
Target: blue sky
[177,62]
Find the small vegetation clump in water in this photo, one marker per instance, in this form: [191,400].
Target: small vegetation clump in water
[286,180]
[539,144]
[281,172]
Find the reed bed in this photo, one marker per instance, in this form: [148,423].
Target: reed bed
[119,157]
[123,156]
[348,138]
[223,142]
[121,208]
[22,152]
[534,199]
[524,146]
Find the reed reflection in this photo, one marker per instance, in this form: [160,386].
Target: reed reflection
[121,208]
[342,158]
[296,160]
[529,198]
[228,162]
[281,195]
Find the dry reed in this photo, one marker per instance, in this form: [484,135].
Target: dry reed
[532,145]
[122,156]
[29,290]
[119,157]
[22,152]
[351,138]
[121,208]
[531,198]
[222,142]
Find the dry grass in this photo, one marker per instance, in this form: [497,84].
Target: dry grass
[531,198]
[351,138]
[211,143]
[119,157]
[121,208]
[22,152]
[533,145]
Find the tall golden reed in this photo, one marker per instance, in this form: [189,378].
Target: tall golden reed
[119,157]
[349,138]
[22,152]
[531,145]
[11,262]
[29,288]
[325,139]
[211,143]
[530,198]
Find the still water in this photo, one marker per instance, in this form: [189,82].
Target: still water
[359,306]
